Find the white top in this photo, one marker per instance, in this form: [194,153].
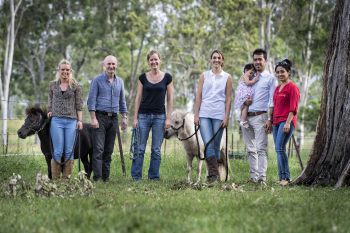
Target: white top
[263,92]
[213,95]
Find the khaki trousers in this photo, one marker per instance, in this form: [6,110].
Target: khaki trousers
[255,139]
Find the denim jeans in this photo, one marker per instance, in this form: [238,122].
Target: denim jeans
[281,139]
[146,122]
[255,139]
[103,145]
[208,127]
[63,135]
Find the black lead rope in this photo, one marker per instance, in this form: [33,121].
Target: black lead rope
[226,158]
[211,139]
[196,128]
[79,144]
[135,138]
[226,155]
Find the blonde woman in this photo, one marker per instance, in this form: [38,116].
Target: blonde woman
[65,108]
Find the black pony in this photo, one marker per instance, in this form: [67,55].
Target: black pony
[38,122]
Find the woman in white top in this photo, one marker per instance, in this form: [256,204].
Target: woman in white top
[212,109]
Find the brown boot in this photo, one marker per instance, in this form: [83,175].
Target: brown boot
[68,168]
[213,169]
[55,169]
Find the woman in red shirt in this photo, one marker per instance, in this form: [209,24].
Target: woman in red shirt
[285,99]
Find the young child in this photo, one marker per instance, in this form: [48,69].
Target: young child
[245,91]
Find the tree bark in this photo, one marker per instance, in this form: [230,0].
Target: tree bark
[133,78]
[330,155]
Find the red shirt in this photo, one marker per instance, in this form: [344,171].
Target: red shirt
[285,101]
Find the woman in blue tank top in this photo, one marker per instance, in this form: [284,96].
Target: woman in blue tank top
[212,109]
[150,114]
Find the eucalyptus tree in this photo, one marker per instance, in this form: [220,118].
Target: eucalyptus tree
[129,34]
[12,12]
[329,162]
[35,44]
[53,31]
[194,28]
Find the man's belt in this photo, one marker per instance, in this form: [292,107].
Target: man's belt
[256,113]
[110,114]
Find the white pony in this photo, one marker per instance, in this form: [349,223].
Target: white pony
[183,127]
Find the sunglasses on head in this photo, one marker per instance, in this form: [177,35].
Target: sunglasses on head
[282,63]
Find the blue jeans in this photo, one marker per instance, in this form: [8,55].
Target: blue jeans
[146,122]
[63,134]
[103,145]
[208,127]
[281,139]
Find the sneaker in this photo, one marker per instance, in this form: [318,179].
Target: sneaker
[252,180]
[244,124]
[284,182]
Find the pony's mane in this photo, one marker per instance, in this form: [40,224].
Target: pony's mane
[35,110]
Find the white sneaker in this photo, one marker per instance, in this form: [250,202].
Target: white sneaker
[284,182]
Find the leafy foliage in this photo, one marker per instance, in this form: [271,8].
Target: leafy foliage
[184,32]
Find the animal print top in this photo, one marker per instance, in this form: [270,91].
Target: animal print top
[67,103]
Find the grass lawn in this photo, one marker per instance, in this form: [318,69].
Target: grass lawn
[122,205]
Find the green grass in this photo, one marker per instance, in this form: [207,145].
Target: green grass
[126,206]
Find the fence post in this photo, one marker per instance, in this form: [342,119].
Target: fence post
[164,148]
[7,144]
[232,142]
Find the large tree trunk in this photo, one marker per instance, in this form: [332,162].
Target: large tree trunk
[330,156]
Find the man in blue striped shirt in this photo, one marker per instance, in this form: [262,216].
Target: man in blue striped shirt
[106,99]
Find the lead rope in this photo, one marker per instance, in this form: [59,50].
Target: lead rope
[226,158]
[135,139]
[79,144]
[196,128]
[226,155]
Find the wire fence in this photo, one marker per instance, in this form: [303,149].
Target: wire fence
[31,145]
